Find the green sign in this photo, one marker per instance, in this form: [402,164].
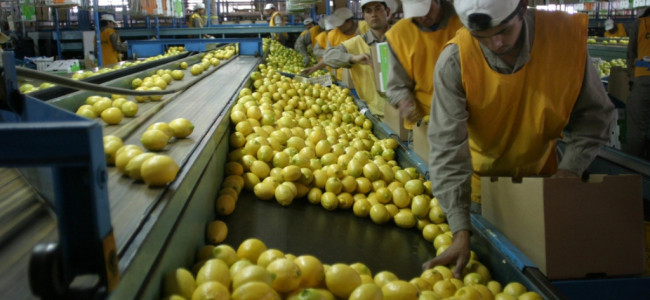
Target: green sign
[178,8]
[27,10]
[383,53]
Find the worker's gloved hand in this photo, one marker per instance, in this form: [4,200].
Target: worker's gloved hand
[308,71]
[408,110]
[458,253]
[363,58]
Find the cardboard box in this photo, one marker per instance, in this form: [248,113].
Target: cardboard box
[569,228]
[618,84]
[380,55]
[421,141]
[396,123]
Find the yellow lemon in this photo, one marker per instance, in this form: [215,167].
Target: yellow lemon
[181,128]
[384,277]
[255,291]
[252,273]
[444,288]
[287,275]
[239,265]
[211,290]
[251,249]
[430,231]
[399,290]
[124,158]
[442,239]
[361,268]
[312,270]
[162,126]
[367,291]
[269,256]
[379,214]
[129,108]
[110,148]
[504,296]
[429,295]
[468,293]
[225,204]
[112,115]
[514,288]
[154,140]
[179,282]
[494,287]
[214,270]
[530,296]
[225,253]
[264,190]
[405,219]
[361,208]
[341,280]
[421,284]
[216,232]
[159,170]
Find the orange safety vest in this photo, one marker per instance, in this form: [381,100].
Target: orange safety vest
[363,77]
[272,24]
[313,33]
[620,31]
[643,46]
[335,38]
[515,119]
[109,54]
[321,39]
[419,61]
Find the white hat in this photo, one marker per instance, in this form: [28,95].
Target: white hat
[308,21]
[364,2]
[392,5]
[415,8]
[321,23]
[269,6]
[485,14]
[609,24]
[341,15]
[199,6]
[328,22]
[107,17]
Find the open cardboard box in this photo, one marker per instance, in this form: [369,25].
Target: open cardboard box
[379,54]
[570,228]
[395,122]
[421,141]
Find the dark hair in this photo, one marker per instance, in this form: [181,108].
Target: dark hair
[484,21]
[103,23]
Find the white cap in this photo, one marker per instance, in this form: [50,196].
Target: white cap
[308,21]
[328,22]
[107,17]
[269,6]
[199,6]
[340,16]
[392,5]
[609,24]
[364,2]
[321,23]
[485,14]
[415,8]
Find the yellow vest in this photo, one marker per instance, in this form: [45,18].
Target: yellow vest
[620,31]
[195,16]
[419,61]
[272,24]
[313,33]
[109,54]
[363,77]
[363,27]
[643,46]
[335,38]
[321,39]
[515,119]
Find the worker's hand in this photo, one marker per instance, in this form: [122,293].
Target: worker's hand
[308,71]
[363,58]
[408,110]
[458,253]
[562,173]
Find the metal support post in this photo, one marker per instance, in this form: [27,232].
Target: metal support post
[58,34]
[98,42]
[327,7]
[207,14]
[157,28]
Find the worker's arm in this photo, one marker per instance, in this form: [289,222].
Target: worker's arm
[399,88]
[632,47]
[589,123]
[197,23]
[117,44]
[318,51]
[450,162]
[278,20]
[301,46]
[337,57]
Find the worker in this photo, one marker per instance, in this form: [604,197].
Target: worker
[307,40]
[638,103]
[614,31]
[321,39]
[429,24]
[345,28]
[196,19]
[276,19]
[505,88]
[110,41]
[3,39]
[354,54]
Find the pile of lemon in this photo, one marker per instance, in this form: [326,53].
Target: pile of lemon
[159,134]
[156,82]
[112,110]
[286,59]
[295,140]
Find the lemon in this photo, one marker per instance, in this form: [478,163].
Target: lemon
[446,273]
[530,296]
[134,165]
[235,182]
[342,280]
[430,231]
[494,287]
[504,296]
[367,291]
[486,294]
[234,168]
[124,157]
[405,219]
[251,249]
[268,256]
[158,170]
[255,291]
[225,204]
[211,290]
[181,128]
[110,148]
[314,195]
[287,275]
[92,99]
[252,273]
[216,232]
[383,195]
[284,194]
[101,105]
[86,113]
[399,290]
[329,201]
[183,65]
[445,288]
[436,215]
[154,140]
[162,126]
[363,185]
[514,288]
[225,253]
[129,108]
[179,282]
[126,148]
[468,293]
[429,295]
[421,284]
[361,268]
[311,269]
[379,214]
[260,169]
[432,276]
[420,206]
[239,265]
[361,208]
[401,198]
[384,277]
[250,180]
[214,270]
[264,190]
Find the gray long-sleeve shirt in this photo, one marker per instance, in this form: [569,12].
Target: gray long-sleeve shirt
[399,85]
[117,44]
[450,161]
[303,43]
[338,57]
